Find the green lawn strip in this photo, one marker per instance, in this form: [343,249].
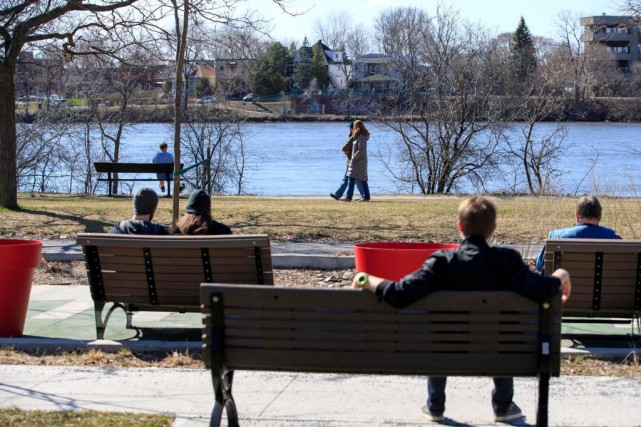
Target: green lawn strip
[17,417]
[526,219]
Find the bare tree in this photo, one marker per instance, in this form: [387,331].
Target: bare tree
[214,150]
[448,121]
[72,22]
[341,32]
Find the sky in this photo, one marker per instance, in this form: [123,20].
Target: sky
[498,16]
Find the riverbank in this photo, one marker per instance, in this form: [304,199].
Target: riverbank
[626,110]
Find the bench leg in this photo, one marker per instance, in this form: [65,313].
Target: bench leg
[224,399]
[101,324]
[542,403]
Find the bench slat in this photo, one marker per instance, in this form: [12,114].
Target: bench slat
[384,363]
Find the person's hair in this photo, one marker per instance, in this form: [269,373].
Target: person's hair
[359,127]
[163,145]
[190,224]
[588,207]
[477,216]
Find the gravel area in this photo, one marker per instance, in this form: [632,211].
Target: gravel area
[73,273]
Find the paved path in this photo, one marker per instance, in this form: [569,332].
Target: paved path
[295,399]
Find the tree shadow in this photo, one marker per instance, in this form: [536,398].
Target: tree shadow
[90,225]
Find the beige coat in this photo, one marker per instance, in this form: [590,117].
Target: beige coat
[357,167]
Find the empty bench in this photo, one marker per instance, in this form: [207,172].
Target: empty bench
[490,333]
[113,169]
[164,273]
[606,276]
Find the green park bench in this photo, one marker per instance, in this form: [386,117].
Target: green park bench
[113,171]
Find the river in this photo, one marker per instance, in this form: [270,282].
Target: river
[305,158]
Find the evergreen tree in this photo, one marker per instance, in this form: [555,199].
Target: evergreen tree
[302,66]
[319,67]
[523,53]
[271,70]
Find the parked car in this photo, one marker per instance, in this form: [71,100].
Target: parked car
[58,102]
[248,98]
[206,100]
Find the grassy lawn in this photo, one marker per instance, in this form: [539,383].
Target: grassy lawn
[20,418]
[525,220]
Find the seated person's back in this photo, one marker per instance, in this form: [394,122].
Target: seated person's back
[145,202]
[197,219]
[587,216]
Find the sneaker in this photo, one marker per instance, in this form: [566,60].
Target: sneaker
[362,200]
[345,200]
[512,413]
[334,196]
[162,188]
[430,415]
[181,187]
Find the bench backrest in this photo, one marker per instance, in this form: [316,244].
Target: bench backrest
[168,270]
[345,330]
[606,275]
[134,167]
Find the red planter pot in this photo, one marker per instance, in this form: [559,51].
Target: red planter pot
[393,260]
[18,260]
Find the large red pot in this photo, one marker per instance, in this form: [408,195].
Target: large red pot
[18,260]
[393,260]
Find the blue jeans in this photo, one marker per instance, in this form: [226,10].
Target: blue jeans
[341,189]
[363,189]
[501,395]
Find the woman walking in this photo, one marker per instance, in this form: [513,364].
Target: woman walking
[357,169]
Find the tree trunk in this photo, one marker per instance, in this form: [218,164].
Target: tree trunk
[8,153]
[180,60]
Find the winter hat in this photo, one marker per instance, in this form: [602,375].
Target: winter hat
[199,203]
[145,201]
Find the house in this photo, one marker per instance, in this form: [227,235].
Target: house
[374,72]
[617,34]
[339,69]
[230,76]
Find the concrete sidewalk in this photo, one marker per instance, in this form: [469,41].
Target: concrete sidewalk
[293,399]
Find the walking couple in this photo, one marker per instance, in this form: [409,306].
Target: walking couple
[356,174]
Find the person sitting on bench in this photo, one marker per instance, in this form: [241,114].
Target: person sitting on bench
[587,216]
[163,156]
[473,266]
[197,219]
[145,203]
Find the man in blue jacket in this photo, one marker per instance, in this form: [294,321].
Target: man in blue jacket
[586,226]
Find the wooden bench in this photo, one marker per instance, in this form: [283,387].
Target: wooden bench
[111,169]
[492,333]
[606,276]
[164,273]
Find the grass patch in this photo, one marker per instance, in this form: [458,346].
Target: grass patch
[404,218]
[17,418]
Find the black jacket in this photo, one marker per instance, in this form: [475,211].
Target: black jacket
[131,226]
[473,266]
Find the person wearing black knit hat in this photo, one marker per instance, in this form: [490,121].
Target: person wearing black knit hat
[197,218]
[145,202]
